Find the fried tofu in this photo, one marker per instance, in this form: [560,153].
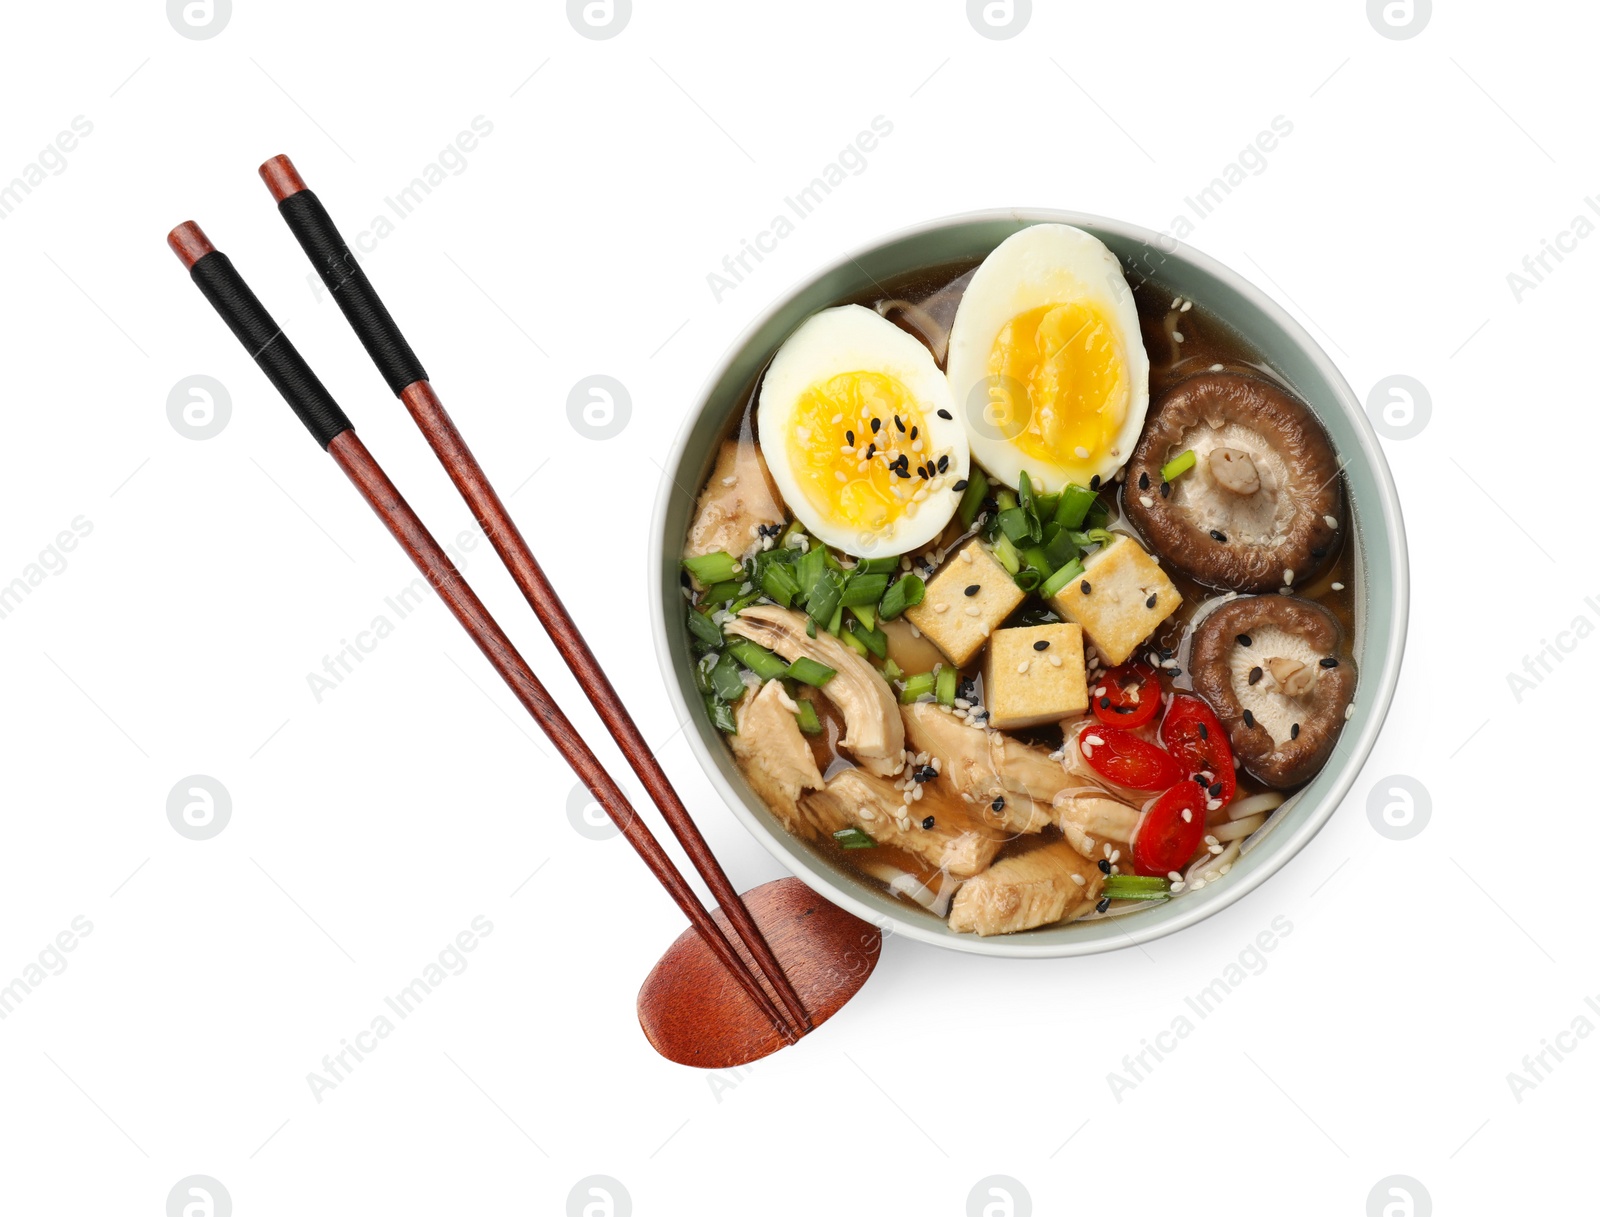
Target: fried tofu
[965,603]
[1033,675]
[1120,600]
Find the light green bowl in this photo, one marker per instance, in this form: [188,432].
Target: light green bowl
[1381,580]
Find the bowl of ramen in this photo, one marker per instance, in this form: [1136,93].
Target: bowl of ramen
[1031,583]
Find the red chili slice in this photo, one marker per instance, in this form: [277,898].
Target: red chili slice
[1194,736]
[1126,760]
[1132,696]
[1165,840]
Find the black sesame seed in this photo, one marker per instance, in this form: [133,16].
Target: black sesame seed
[1166,489]
[972,589]
[999,804]
[876,423]
[1205,732]
[1219,536]
[901,472]
[925,773]
[913,433]
[1042,645]
[1084,587]
[922,473]
[1144,481]
[1215,790]
[1199,778]
[850,438]
[945,414]
[1164,652]
[1094,482]
[927,822]
[1320,552]
[960,485]
[1151,602]
[1105,903]
[1330,662]
[1242,639]
[1105,703]
[1249,720]
[1105,867]
[872,448]
[944,463]
[1255,675]
[899,426]
[1294,731]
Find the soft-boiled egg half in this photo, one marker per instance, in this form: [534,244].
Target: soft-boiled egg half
[860,433]
[1046,363]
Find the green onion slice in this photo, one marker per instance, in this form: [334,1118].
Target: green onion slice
[715,567]
[1179,464]
[853,838]
[809,672]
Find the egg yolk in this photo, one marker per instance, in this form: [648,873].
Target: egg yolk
[1067,359]
[848,437]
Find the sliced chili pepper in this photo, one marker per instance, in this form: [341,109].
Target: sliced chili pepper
[1132,696]
[1126,760]
[1170,831]
[1194,736]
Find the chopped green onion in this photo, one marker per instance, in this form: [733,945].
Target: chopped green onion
[795,530]
[1179,464]
[878,566]
[836,620]
[1047,504]
[1027,579]
[848,637]
[704,629]
[853,838]
[1014,523]
[891,670]
[1034,559]
[702,671]
[778,582]
[833,563]
[721,593]
[725,679]
[1100,536]
[744,601]
[1136,887]
[806,715]
[864,589]
[809,672]
[715,567]
[1005,499]
[1060,550]
[876,641]
[810,570]
[823,601]
[1006,554]
[1061,578]
[1074,505]
[758,659]
[916,688]
[866,614]
[1099,515]
[944,686]
[905,592]
[1028,503]
[972,497]
[721,714]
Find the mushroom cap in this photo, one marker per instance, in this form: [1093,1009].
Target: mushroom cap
[1274,536]
[1236,678]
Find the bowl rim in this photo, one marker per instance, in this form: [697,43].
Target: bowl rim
[1376,691]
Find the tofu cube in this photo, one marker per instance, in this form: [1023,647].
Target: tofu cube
[1122,596]
[1034,674]
[965,603]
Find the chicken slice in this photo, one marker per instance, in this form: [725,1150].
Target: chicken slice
[956,842]
[773,755]
[1090,817]
[874,734]
[738,498]
[989,766]
[1045,881]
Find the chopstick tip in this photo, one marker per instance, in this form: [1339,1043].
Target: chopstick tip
[190,243]
[282,178]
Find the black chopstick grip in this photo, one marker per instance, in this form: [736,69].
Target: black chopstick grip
[253,326]
[313,227]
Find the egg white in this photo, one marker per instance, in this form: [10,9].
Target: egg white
[1045,264]
[855,339]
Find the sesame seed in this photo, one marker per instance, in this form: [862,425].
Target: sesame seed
[1094,482]
[1093,740]
[1084,587]
[1105,903]
[1177,337]
[837,419]
[1166,489]
[1078,879]
[1174,876]
[1288,578]
[944,414]
[1331,521]
[960,484]
[1105,867]
[972,589]
[1255,675]
[941,607]
[1144,481]
[1294,731]
[972,610]
[876,423]
[1249,720]
[1082,452]
[1188,816]
[1022,668]
[1151,602]
[1242,639]
[944,462]
[1055,661]
[999,804]
[850,438]
[966,555]
[1215,790]
[899,426]
[1329,662]
[1146,501]
[1042,645]
[1349,711]
[1205,732]
[1217,535]
[839,473]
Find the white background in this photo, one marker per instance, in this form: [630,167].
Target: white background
[371,827]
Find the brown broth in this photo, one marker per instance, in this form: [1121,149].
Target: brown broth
[1207,341]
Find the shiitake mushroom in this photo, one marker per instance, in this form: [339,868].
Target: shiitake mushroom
[1262,505]
[1271,668]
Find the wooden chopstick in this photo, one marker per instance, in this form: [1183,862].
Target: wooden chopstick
[358,300]
[250,322]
